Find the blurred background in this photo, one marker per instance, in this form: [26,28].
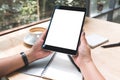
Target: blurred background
[14,13]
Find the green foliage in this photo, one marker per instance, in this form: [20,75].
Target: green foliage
[17,12]
[76,3]
[51,3]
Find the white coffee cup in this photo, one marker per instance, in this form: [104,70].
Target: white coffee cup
[34,35]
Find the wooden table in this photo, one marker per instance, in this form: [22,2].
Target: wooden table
[106,59]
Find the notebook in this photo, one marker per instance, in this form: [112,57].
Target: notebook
[57,66]
[95,40]
[61,68]
[36,68]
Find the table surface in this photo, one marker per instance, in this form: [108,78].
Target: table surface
[106,59]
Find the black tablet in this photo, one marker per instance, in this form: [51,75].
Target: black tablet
[65,29]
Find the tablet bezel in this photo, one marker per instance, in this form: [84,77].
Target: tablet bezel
[59,49]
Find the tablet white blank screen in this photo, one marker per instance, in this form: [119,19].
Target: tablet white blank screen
[65,29]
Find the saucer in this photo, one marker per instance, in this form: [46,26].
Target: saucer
[30,40]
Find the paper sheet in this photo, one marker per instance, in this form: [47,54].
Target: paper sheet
[61,68]
[36,68]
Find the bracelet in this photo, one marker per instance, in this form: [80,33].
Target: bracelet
[24,57]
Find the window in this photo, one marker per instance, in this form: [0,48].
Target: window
[14,13]
[17,12]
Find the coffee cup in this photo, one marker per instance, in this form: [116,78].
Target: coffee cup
[34,35]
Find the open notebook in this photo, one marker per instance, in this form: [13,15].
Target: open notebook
[57,66]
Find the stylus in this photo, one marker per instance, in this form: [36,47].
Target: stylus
[111,45]
[74,63]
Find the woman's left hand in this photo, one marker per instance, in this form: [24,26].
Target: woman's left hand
[37,52]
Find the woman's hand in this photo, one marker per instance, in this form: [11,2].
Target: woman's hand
[84,61]
[36,52]
[84,53]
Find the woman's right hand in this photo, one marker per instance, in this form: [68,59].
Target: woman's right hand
[84,61]
[84,53]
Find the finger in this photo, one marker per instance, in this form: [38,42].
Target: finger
[43,34]
[48,51]
[41,39]
[74,56]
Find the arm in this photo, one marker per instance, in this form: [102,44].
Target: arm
[84,62]
[12,63]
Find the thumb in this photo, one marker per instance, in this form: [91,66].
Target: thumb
[41,39]
[43,34]
[83,39]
